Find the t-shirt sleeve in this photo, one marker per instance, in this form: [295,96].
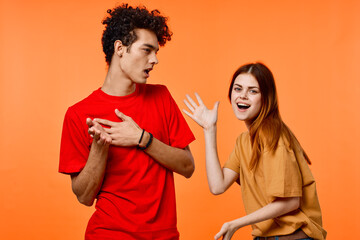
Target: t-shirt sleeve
[180,134]
[75,143]
[281,173]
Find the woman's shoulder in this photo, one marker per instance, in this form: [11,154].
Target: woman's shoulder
[243,139]
[282,144]
[244,136]
[283,141]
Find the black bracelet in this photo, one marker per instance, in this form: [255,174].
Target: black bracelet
[142,134]
[148,144]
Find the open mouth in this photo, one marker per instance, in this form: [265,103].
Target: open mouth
[243,106]
[147,71]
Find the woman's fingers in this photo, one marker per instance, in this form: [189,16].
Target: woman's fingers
[197,120]
[192,102]
[189,114]
[188,105]
[220,234]
[199,99]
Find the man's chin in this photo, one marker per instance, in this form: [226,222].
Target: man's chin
[140,80]
[143,81]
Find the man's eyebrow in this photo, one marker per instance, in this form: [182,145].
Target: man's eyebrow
[151,46]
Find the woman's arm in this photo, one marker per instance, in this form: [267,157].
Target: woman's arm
[219,179]
[274,209]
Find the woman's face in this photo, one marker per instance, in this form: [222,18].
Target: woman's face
[246,98]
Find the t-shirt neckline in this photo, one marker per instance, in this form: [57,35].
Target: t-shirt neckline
[133,95]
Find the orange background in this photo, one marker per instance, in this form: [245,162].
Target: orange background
[51,57]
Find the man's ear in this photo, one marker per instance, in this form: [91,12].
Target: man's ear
[119,48]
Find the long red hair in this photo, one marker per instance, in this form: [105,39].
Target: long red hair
[267,128]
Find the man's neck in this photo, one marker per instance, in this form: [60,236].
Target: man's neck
[116,84]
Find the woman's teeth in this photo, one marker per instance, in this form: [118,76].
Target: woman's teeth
[243,106]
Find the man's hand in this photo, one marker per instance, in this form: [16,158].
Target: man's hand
[98,133]
[125,134]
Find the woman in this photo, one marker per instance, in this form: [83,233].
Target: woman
[278,189]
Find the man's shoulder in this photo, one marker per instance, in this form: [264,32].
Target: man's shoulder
[87,100]
[155,87]
[83,104]
[155,90]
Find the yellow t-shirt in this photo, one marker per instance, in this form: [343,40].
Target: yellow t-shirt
[283,173]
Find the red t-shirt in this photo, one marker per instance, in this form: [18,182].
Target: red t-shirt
[137,198]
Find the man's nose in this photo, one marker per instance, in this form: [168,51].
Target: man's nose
[154,60]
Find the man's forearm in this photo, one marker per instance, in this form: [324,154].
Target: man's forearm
[178,160]
[87,183]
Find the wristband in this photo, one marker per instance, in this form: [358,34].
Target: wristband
[148,143]
[142,134]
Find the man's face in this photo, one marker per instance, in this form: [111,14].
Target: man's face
[139,59]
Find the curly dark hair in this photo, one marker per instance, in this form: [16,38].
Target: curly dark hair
[124,19]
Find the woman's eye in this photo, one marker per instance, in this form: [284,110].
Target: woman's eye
[237,89]
[253,91]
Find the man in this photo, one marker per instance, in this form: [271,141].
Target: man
[122,143]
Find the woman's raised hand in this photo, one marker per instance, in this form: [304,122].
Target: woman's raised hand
[203,116]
